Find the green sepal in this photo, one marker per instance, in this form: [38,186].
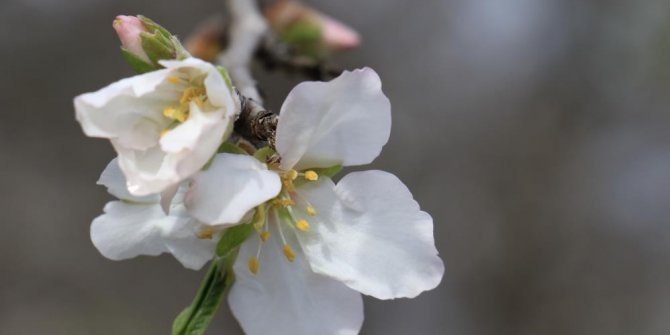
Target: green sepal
[328,171]
[137,64]
[155,48]
[232,238]
[226,77]
[264,153]
[152,26]
[227,147]
[195,319]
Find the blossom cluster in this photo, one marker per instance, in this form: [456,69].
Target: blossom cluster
[318,244]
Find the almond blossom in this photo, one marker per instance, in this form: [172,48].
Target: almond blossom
[164,125]
[320,243]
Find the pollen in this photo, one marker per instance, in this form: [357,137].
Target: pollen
[291,174]
[206,233]
[302,225]
[289,253]
[265,236]
[173,79]
[311,175]
[169,112]
[311,211]
[254,265]
[283,202]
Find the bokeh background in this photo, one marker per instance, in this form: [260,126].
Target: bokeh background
[536,133]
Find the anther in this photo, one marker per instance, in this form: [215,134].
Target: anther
[265,236]
[311,211]
[206,233]
[254,265]
[311,175]
[169,112]
[289,253]
[291,174]
[173,79]
[302,225]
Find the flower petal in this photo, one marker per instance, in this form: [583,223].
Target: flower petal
[182,241]
[115,181]
[345,121]
[229,188]
[121,109]
[129,230]
[288,298]
[371,235]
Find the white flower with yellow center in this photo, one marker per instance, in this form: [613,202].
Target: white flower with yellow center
[136,226]
[165,125]
[318,242]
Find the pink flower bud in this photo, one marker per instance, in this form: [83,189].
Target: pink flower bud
[338,36]
[129,28]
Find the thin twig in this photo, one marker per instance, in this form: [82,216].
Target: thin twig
[246,29]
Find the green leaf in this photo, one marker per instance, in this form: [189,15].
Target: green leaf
[195,319]
[138,65]
[155,49]
[226,78]
[227,147]
[329,171]
[232,238]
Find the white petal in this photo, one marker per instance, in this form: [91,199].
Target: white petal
[371,235]
[288,298]
[128,230]
[128,110]
[167,196]
[181,240]
[345,121]
[229,188]
[115,181]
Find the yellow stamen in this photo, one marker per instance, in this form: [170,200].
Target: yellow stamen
[190,93]
[198,101]
[169,112]
[206,233]
[265,236]
[173,79]
[311,211]
[311,175]
[254,265]
[289,253]
[164,132]
[302,225]
[283,202]
[291,174]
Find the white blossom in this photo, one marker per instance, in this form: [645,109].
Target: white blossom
[134,226]
[165,125]
[365,233]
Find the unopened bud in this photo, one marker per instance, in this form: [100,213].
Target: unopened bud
[309,31]
[144,43]
[129,28]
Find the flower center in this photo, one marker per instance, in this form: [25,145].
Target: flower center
[193,91]
[288,210]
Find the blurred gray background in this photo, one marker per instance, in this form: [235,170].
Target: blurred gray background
[536,132]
